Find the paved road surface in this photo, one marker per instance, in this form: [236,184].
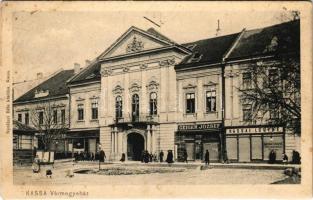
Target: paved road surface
[24,175]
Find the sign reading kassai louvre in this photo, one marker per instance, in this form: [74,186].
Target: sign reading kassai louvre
[199,126]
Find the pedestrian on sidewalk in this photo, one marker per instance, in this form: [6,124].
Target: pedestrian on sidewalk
[207,157]
[102,156]
[272,157]
[185,156]
[123,157]
[285,158]
[161,155]
[169,158]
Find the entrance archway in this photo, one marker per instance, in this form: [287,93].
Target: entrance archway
[135,146]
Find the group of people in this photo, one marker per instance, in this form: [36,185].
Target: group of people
[206,157]
[149,157]
[84,156]
[296,159]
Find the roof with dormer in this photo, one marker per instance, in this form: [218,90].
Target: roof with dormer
[283,37]
[207,51]
[53,87]
[280,38]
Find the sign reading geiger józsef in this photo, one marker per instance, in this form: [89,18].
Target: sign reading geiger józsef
[199,126]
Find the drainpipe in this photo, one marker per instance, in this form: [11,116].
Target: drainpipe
[223,132]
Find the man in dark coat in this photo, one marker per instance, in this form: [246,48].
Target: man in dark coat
[123,157]
[272,157]
[185,156]
[169,158]
[102,156]
[207,157]
[161,155]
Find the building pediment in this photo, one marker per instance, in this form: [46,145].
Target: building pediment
[133,41]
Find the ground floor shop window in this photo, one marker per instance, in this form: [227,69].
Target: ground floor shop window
[250,147]
[196,144]
[231,144]
[256,151]
[25,142]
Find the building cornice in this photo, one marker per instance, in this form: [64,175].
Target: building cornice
[43,99]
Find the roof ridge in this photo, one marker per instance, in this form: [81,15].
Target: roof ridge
[274,25]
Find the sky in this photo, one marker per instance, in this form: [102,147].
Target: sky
[46,41]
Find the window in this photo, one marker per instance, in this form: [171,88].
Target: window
[211,101]
[190,103]
[26,118]
[19,117]
[273,77]
[135,107]
[63,116]
[247,113]
[40,117]
[246,80]
[118,107]
[94,110]
[80,110]
[153,103]
[55,116]
[274,111]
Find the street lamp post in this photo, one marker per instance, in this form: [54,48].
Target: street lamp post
[99,156]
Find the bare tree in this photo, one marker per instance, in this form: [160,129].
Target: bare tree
[274,92]
[49,122]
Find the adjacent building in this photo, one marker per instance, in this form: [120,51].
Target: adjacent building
[46,106]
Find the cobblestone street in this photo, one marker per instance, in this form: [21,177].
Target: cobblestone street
[23,175]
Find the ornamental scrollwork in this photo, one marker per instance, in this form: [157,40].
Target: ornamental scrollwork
[135,88]
[167,62]
[106,72]
[118,90]
[134,46]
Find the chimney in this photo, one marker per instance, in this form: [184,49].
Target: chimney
[218,30]
[39,75]
[87,62]
[76,68]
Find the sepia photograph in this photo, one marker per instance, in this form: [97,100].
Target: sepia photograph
[158,96]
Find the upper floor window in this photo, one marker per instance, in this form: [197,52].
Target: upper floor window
[118,107]
[19,117]
[55,116]
[40,117]
[246,80]
[274,111]
[247,112]
[273,78]
[94,110]
[135,106]
[153,103]
[190,103]
[80,111]
[27,118]
[211,101]
[63,116]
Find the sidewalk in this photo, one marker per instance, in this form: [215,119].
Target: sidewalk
[194,164]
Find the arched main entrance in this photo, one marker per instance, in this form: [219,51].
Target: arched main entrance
[135,146]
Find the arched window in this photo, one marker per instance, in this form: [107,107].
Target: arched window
[153,103]
[118,107]
[135,107]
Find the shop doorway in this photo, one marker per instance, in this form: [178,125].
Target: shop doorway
[213,148]
[135,146]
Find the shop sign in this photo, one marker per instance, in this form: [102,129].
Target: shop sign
[199,126]
[254,130]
